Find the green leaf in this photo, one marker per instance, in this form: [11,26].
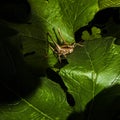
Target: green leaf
[46,15]
[74,13]
[47,103]
[108,3]
[91,69]
[95,34]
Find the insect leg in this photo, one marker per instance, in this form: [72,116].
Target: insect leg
[54,52]
[60,34]
[52,48]
[59,58]
[57,46]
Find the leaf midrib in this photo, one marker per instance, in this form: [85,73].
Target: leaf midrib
[36,109]
[93,72]
[28,103]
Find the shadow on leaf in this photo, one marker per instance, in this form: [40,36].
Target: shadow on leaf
[105,106]
[54,76]
[16,78]
[108,20]
[18,11]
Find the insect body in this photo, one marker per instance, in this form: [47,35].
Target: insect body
[64,49]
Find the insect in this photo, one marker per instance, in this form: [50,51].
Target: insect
[63,49]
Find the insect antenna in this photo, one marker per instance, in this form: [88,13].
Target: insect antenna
[60,34]
[58,40]
[53,41]
[78,44]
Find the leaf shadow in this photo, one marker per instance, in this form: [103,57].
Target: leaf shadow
[54,76]
[18,11]
[17,78]
[105,106]
[108,20]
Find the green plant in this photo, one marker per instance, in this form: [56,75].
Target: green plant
[71,91]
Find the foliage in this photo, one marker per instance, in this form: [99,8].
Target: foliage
[40,88]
